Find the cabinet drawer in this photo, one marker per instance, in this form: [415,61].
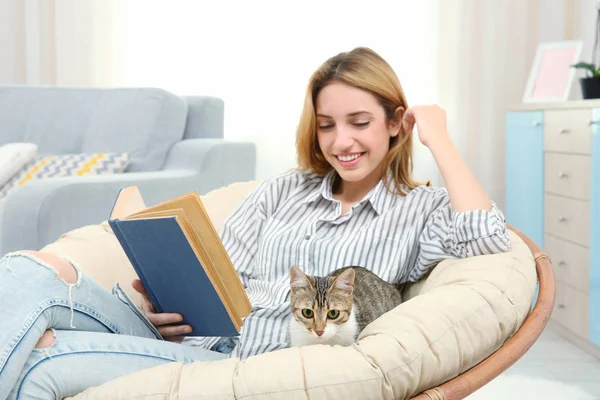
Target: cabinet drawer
[568,131]
[567,219]
[571,309]
[568,174]
[571,263]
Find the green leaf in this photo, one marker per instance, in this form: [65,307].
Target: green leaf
[591,68]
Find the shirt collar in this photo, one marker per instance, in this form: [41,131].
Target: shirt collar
[377,197]
[324,190]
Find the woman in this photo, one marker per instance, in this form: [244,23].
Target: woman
[351,202]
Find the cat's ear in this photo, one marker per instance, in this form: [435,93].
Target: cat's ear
[344,281]
[299,280]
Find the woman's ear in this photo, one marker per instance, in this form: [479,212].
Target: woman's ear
[396,124]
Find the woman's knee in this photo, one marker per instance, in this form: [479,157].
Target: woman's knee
[64,269]
[47,340]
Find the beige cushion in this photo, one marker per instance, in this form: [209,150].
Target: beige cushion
[461,313]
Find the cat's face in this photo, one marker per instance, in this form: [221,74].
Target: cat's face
[320,306]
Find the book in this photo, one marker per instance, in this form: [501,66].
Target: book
[181,261]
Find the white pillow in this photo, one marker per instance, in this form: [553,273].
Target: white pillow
[13,157]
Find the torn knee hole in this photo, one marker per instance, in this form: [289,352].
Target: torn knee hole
[64,269]
[47,340]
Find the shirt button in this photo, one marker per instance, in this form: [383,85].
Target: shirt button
[306,237]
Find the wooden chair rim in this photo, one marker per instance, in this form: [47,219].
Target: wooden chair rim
[515,347]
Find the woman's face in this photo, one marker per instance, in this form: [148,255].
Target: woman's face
[353,133]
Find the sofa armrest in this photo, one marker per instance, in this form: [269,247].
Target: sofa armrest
[220,161]
[41,211]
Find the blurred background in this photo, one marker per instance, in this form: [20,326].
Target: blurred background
[471,57]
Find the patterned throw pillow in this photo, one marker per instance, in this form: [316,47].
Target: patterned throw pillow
[66,165]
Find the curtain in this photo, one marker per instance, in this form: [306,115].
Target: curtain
[60,42]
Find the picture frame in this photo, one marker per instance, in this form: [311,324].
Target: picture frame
[551,75]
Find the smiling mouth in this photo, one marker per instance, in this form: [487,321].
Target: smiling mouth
[349,158]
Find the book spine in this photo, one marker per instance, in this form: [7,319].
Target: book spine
[114,224]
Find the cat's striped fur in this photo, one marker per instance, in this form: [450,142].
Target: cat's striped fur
[357,294]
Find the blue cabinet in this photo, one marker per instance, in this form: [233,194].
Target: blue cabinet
[525,173]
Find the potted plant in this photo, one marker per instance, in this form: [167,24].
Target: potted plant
[590,85]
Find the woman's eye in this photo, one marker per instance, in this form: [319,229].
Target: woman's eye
[361,124]
[325,127]
[333,314]
[307,313]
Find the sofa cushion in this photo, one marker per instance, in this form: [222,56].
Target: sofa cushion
[460,314]
[66,165]
[143,122]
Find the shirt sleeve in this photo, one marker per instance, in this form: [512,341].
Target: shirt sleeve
[449,234]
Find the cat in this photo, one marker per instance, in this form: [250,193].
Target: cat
[334,309]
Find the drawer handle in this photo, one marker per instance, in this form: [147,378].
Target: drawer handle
[564,131]
[563,175]
[562,263]
[562,219]
[536,123]
[561,306]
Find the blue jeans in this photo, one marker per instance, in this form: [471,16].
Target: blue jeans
[99,336]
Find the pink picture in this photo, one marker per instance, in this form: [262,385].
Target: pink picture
[551,75]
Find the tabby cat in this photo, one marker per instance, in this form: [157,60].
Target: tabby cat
[334,309]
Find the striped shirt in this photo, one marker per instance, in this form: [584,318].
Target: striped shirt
[293,219]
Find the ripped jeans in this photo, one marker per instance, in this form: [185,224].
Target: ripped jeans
[98,336]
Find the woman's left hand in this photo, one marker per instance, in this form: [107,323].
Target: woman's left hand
[430,121]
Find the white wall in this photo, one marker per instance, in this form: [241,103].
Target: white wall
[551,20]
[585,25]
[258,57]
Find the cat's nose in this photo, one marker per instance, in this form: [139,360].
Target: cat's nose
[319,333]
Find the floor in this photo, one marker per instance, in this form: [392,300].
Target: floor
[553,357]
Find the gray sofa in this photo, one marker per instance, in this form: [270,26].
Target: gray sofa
[175,143]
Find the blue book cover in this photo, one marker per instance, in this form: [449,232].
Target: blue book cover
[172,274]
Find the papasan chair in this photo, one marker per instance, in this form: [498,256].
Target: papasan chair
[460,327]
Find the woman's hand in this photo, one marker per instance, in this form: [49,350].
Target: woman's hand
[164,322]
[464,190]
[431,124]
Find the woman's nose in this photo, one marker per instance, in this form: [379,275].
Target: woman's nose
[343,139]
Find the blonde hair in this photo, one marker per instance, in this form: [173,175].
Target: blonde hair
[363,69]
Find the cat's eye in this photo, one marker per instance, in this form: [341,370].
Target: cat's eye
[307,313]
[333,314]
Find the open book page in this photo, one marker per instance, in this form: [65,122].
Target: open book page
[215,278]
[129,201]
